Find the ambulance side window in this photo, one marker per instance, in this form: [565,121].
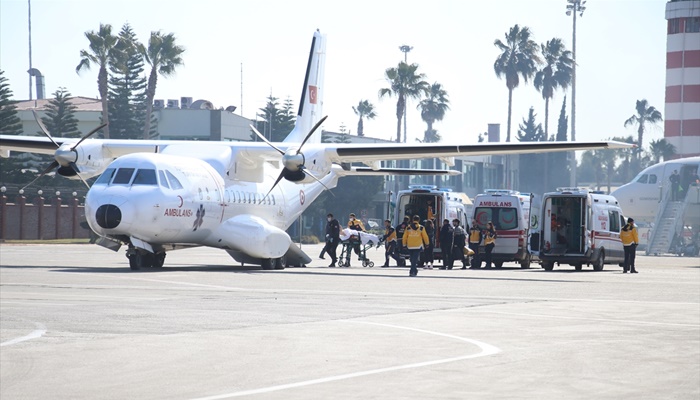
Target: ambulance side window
[643,179]
[652,178]
[614,218]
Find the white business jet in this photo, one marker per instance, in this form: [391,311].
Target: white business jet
[156,196]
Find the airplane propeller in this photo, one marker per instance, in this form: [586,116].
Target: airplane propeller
[64,160]
[294,169]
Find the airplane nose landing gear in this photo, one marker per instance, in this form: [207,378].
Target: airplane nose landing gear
[108,216]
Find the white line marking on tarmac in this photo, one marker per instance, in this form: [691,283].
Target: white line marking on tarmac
[486,350]
[35,334]
[626,321]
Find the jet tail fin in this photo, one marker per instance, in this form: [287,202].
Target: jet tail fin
[311,102]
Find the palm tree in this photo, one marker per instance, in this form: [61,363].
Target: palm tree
[364,109]
[556,73]
[519,57]
[103,49]
[163,55]
[645,113]
[661,149]
[406,83]
[432,108]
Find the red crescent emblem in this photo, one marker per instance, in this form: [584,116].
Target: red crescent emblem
[181,201]
[302,197]
[509,220]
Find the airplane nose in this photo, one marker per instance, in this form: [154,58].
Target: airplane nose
[108,216]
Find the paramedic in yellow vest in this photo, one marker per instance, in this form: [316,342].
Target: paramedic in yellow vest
[475,237]
[354,241]
[415,239]
[630,240]
[489,242]
[389,240]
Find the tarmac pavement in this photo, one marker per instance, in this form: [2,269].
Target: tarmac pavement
[76,323]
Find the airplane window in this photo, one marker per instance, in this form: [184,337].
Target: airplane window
[123,176]
[643,178]
[652,178]
[163,181]
[105,177]
[174,183]
[145,177]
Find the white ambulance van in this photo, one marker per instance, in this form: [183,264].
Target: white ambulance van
[430,202]
[577,227]
[510,213]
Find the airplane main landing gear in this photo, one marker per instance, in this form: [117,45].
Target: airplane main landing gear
[139,259]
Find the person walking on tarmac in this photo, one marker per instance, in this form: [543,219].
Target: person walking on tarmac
[389,239]
[400,229]
[446,238]
[489,243]
[415,239]
[630,239]
[460,240]
[332,238]
[428,253]
[475,238]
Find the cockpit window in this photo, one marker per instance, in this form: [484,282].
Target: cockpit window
[123,176]
[145,177]
[163,181]
[174,183]
[105,177]
[643,179]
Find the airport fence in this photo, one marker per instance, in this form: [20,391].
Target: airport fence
[39,219]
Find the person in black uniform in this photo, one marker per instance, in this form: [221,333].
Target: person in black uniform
[446,238]
[675,185]
[332,238]
[475,237]
[400,229]
[460,240]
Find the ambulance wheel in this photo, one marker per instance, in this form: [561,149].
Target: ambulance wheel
[525,264]
[281,263]
[578,267]
[599,262]
[547,265]
[498,264]
[268,263]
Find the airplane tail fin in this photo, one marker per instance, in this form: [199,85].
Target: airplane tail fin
[311,102]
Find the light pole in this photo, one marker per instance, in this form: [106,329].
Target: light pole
[405,49]
[574,7]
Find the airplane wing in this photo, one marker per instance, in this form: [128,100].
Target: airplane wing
[369,153]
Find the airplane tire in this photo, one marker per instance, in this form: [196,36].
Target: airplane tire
[599,262]
[281,263]
[268,264]
[159,260]
[547,265]
[132,262]
[578,267]
[140,260]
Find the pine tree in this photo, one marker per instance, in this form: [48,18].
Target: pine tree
[10,123]
[558,171]
[60,117]
[276,122]
[127,89]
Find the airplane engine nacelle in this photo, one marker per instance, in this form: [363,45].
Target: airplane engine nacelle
[253,236]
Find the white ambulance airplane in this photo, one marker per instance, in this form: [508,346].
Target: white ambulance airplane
[640,198]
[156,196]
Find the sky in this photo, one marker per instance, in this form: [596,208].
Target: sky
[248,50]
